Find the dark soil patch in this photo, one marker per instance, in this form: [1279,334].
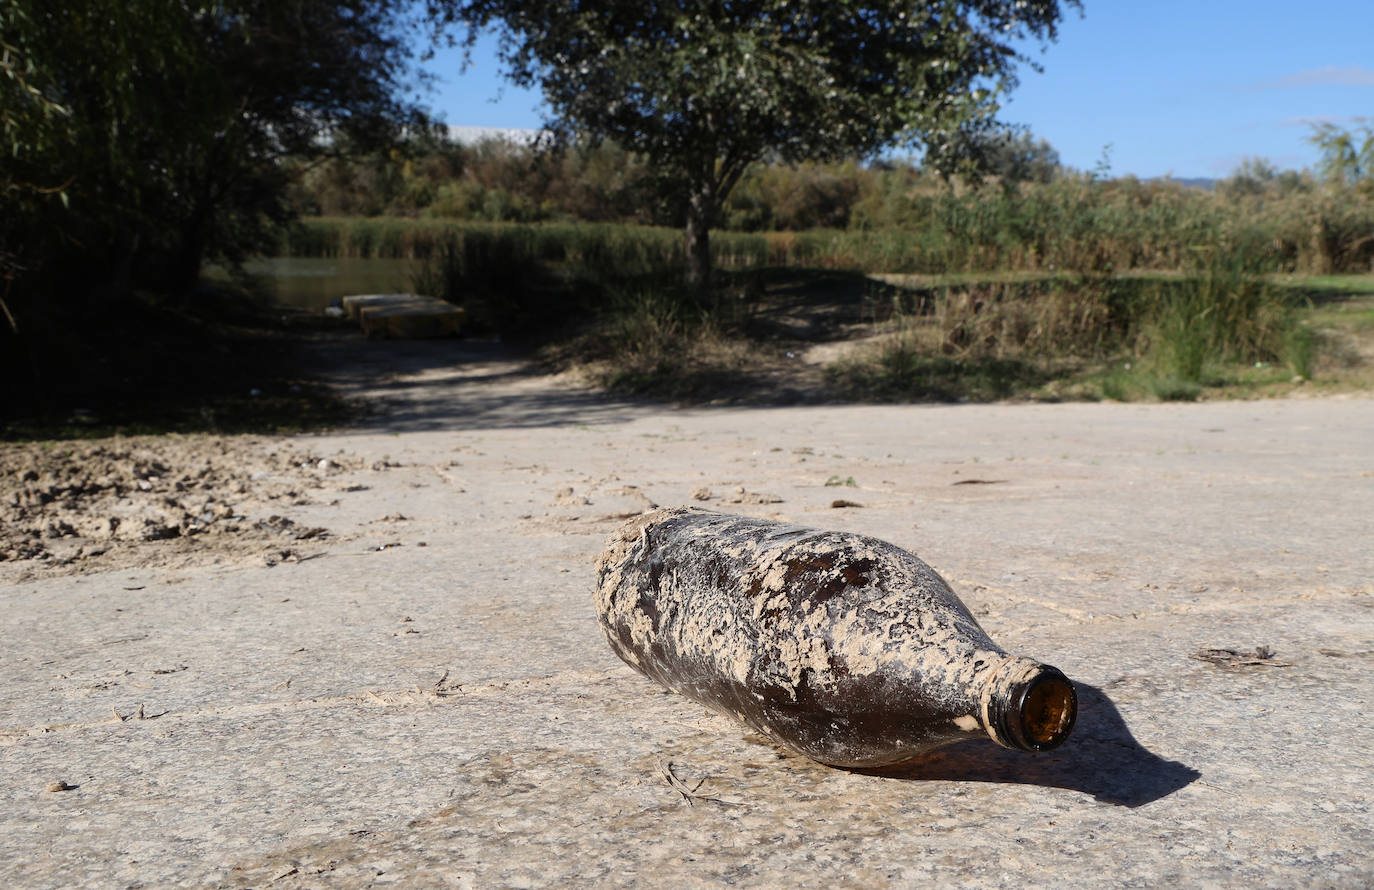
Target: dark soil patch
[169,500]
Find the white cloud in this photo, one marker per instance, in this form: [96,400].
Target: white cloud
[1318,119]
[1331,75]
[514,135]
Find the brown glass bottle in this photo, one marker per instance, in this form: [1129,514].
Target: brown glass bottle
[843,647]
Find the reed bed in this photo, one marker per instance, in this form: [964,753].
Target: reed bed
[1119,336]
[1042,229]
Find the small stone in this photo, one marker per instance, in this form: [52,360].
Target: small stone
[701,494]
[55,787]
[566,497]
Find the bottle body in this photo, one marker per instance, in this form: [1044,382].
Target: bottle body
[843,647]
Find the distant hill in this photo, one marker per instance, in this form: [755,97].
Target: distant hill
[1193,182]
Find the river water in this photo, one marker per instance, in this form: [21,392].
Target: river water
[314,283]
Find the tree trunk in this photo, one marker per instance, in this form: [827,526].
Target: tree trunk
[189,253]
[700,211]
[126,254]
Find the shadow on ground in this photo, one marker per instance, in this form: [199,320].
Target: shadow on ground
[439,385]
[216,361]
[1101,758]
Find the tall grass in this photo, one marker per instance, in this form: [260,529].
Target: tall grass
[895,219]
[1056,228]
[1087,226]
[633,249]
[999,339]
[1226,313]
[891,216]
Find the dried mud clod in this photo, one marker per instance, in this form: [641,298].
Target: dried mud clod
[742,496]
[1233,659]
[67,508]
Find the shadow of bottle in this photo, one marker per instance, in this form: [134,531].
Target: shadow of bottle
[1101,758]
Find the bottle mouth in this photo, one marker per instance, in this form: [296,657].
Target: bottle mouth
[1048,709]
[1033,709]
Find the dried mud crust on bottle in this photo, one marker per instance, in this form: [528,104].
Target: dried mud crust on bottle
[841,646]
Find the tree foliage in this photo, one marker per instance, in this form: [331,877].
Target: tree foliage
[29,115]
[141,137]
[1347,155]
[1011,154]
[704,89]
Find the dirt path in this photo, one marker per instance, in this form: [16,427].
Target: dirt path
[417,693]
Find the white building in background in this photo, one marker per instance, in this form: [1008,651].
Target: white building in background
[473,135]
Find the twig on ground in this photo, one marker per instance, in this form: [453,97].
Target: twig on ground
[442,687]
[690,794]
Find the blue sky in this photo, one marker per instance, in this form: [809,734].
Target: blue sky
[1181,87]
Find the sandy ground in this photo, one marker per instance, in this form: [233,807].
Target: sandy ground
[370,657]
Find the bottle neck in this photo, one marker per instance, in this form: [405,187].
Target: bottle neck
[1028,705]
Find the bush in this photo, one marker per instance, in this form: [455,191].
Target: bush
[998,339]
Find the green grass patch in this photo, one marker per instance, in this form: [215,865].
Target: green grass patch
[1349,314]
[1342,285]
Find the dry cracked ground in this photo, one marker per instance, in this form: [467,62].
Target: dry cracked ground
[369,658]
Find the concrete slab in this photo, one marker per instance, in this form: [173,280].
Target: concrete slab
[425,701]
[416,319]
[355,303]
[404,316]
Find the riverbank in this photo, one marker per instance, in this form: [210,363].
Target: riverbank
[225,361]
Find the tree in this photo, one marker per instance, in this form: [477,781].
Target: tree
[704,89]
[142,137]
[1011,154]
[1252,176]
[29,116]
[1347,156]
